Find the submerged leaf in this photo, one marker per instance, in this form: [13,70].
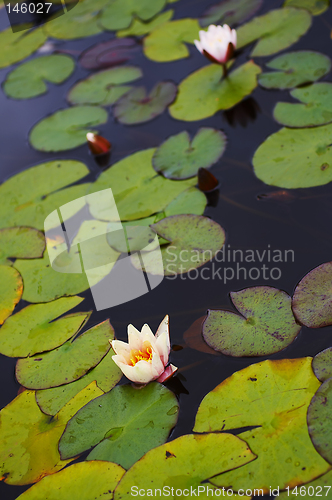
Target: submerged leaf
[322,364]
[230,12]
[11,289]
[20,243]
[109,53]
[194,339]
[320,420]
[315,7]
[19,45]
[119,14]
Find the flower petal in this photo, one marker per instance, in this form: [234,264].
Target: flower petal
[162,340]
[141,373]
[168,373]
[134,337]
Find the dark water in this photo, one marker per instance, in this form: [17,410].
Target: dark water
[300,222]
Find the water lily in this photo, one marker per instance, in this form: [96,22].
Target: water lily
[97,144]
[217,43]
[145,357]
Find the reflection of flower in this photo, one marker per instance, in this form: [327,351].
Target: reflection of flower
[217,43]
[145,356]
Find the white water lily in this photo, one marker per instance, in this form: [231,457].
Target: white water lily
[145,357]
[217,43]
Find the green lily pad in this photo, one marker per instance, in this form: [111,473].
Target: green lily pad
[25,202]
[105,87]
[11,289]
[67,128]
[311,302]
[180,158]
[140,28]
[275,31]
[295,68]
[82,481]
[185,463]
[106,374]
[68,362]
[81,21]
[193,241]
[19,45]
[322,364]
[315,7]
[125,423]
[205,92]
[295,158]
[273,396]
[139,107]
[28,80]
[29,438]
[191,201]
[266,324]
[34,329]
[315,110]
[321,485]
[119,14]
[20,243]
[320,420]
[138,192]
[167,43]
[230,12]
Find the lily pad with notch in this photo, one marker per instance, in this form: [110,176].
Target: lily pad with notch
[266,323]
[319,420]
[20,243]
[140,28]
[231,12]
[119,14]
[180,158]
[19,45]
[109,53]
[315,7]
[322,364]
[11,289]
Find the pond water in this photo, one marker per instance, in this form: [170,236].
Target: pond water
[255,216]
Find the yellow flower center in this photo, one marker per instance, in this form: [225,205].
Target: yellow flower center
[145,354]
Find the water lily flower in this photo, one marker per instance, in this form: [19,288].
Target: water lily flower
[217,43]
[98,144]
[145,357]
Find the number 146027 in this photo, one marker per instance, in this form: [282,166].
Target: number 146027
[311,491]
[32,8]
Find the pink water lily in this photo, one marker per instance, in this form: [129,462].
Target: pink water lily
[217,43]
[145,357]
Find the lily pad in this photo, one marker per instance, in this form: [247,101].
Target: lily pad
[11,289]
[35,328]
[104,88]
[169,465]
[139,107]
[25,202]
[167,43]
[193,241]
[311,488]
[205,92]
[295,68]
[67,128]
[312,299]
[315,7]
[19,45]
[138,192]
[125,423]
[20,243]
[266,324]
[230,12]
[82,481]
[275,31]
[140,28]
[106,374]
[273,396]
[315,110]
[119,14]
[109,53]
[68,362]
[295,158]
[29,438]
[319,420]
[191,201]
[28,80]
[180,158]
[322,364]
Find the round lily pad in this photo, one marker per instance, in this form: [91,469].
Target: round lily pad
[140,28]
[322,364]
[275,31]
[315,110]
[21,243]
[295,68]
[205,92]
[11,289]
[230,12]
[180,158]
[266,324]
[82,481]
[67,128]
[138,107]
[28,80]
[190,201]
[109,53]
[117,423]
[295,158]
[19,45]
[193,241]
[105,87]
[315,7]
[119,14]
[35,328]
[312,299]
[320,420]
[68,362]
